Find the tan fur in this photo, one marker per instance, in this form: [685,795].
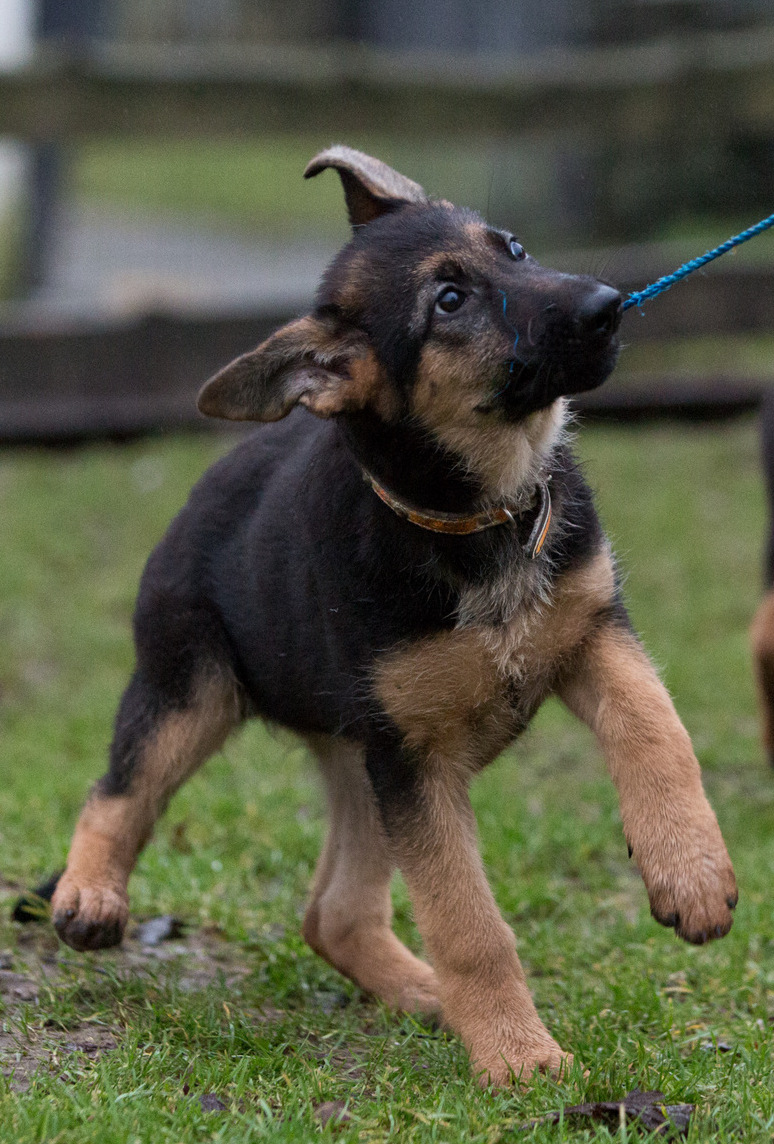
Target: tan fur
[506,458]
[307,362]
[445,694]
[545,631]
[112,830]
[367,386]
[762,640]
[473,256]
[667,820]
[450,692]
[350,910]
[482,987]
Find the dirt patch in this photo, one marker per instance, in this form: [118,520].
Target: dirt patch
[193,961]
[64,1053]
[39,970]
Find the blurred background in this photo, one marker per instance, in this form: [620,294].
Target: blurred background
[154,222]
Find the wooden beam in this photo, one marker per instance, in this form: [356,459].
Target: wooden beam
[67,379]
[686,88]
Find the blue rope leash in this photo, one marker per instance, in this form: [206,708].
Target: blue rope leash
[637,297]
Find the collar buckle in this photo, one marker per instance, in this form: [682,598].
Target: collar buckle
[539,531]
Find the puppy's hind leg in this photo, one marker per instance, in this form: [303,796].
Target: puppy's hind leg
[349,915]
[156,747]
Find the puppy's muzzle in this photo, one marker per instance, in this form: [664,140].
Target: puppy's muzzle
[598,314]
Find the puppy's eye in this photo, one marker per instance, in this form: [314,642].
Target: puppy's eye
[449,300]
[516,250]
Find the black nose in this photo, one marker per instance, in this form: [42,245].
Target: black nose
[599,314]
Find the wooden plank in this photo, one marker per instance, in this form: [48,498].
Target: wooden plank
[123,417]
[731,300]
[688,88]
[680,399]
[67,379]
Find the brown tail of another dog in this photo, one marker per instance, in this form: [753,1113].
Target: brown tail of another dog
[762,628]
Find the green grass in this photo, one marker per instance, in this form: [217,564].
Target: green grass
[258,184]
[246,1011]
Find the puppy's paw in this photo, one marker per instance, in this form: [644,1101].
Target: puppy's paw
[89,915]
[419,994]
[694,890]
[519,1063]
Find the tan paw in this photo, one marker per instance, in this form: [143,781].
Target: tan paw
[89,916]
[692,888]
[372,957]
[418,993]
[519,1064]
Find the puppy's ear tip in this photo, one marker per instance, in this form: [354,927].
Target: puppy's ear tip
[209,399]
[203,402]
[205,406]
[338,155]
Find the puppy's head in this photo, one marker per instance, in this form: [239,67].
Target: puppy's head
[429,315]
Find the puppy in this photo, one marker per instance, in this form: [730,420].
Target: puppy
[400,568]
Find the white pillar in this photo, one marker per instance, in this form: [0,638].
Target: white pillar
[17,19]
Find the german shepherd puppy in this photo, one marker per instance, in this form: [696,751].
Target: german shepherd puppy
[400,568]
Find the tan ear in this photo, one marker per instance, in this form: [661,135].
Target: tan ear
[311,362]
[370,187]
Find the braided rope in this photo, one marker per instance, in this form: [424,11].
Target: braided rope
[637,297]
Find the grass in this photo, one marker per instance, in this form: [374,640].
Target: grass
[256,184]
[120,1047]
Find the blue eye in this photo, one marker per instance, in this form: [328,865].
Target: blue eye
[516,250]
[449,300]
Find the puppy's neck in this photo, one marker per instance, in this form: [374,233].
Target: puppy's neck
[405,459]
[507,459]
[466,471]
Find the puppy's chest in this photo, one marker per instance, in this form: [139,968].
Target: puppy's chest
[471,689]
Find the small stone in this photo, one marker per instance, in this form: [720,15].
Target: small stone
[156,930]
[209,1102]
[335,1110]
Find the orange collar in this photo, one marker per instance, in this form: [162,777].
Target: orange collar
[459,524]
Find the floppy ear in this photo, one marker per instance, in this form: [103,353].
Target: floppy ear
[313,362]
[370,187]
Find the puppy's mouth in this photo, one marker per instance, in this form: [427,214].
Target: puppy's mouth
[526,386]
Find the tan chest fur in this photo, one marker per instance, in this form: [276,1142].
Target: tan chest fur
[465,693]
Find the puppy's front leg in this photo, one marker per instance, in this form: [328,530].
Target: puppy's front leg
[484,996]
[670,827]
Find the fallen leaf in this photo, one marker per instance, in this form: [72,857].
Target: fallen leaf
[649,1108]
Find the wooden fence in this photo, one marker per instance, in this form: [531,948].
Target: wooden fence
[687,88]
[122,377]
[63,380]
